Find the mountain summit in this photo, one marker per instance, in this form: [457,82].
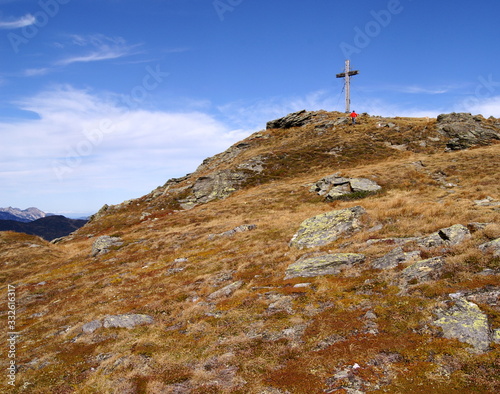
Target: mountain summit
[314,256]
[26,215]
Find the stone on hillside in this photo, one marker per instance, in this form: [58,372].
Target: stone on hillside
[218,185]
[466,130]
[328,227]
[327,264]
[230,233]
[89,328]
[495,337]
[226,291]
[465,321]
[493,246]
[102,244]
[335,186]
[342,121]
[449,236]
[126,321]
[224,157]
[424,270]
[295,119]
[394,258]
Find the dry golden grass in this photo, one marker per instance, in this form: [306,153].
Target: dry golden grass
[239,344]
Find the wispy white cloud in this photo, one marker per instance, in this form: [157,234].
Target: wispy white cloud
[19,23]
[414,89]
[32,72]
[101,48]
[422,90]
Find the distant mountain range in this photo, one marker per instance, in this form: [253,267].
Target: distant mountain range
[25,216]
[48,227]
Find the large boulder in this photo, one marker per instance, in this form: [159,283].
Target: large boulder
[467,323]
[328,227]
[466,130]
[336,186]
[327,264]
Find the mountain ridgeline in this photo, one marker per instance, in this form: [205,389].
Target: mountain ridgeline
[314,256]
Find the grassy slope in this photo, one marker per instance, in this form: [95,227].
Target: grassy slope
[237,344]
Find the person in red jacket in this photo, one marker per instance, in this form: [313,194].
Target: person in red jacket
[353,116]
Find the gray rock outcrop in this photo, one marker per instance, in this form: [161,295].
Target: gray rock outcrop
[466,130]
[423,270]
[449,236]
[336,186]
[445,237]
[89,328]
[118,321]
[218,185]
[467,323]
[327,264]
[103,244]
[295,119]
[327,227]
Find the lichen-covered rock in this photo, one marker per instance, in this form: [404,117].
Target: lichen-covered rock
[226,291]
[424,270]
[328,227]
[126,321]
[394,258]
[327,264]
[102,244]
[493,246]
[465,322]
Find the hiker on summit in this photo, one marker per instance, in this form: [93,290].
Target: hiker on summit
[353,116]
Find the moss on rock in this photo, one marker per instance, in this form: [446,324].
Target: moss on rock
[328,227]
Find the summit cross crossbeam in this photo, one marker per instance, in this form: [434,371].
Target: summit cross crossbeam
[347,74]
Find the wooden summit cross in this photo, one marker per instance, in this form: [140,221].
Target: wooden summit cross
[347,74]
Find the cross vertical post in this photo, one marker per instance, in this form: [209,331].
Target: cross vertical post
[347,74]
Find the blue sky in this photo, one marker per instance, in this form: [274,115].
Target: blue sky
[103,100]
